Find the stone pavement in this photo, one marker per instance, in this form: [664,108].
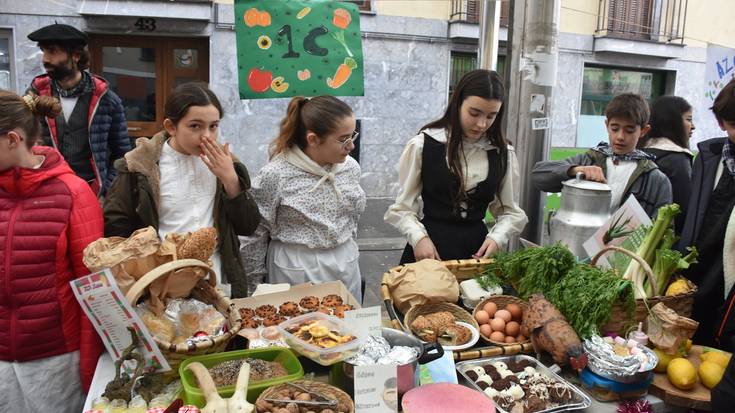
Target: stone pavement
[380,245]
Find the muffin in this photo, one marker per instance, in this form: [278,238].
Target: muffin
[265,311]
[332,300]
[273,320]
[247,313]
[289,309]
[309,303]
[250,323]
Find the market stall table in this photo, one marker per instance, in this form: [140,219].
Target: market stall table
[106,371]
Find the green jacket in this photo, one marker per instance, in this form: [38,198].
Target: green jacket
[132,203]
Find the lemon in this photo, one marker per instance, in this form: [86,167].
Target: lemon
[710,373]
[681,373]
[717,357]
[680,286]
[663,360]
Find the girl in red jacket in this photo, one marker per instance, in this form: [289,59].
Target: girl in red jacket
[48,348]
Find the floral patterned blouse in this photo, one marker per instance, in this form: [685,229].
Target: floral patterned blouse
[297,209]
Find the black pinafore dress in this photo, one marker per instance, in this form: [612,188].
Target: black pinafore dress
[456,232]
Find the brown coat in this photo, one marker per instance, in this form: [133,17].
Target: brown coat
[132,203]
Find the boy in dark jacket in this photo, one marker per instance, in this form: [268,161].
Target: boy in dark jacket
[710,226]
[627,170]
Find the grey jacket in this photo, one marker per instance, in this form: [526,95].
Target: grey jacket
[648,184]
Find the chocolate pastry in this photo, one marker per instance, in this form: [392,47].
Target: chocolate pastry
[246,313]
[310,303]
[265,310]
[472,375]
[273,320]
[289,309]
[332,300]
[518,366]
[491,371]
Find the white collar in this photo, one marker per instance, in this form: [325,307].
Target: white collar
[440,135]
[667,144]
[296,157]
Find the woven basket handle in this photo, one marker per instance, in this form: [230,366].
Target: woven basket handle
[162,270]
[641,261]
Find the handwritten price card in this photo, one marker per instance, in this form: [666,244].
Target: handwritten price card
[111,315]
[298,48]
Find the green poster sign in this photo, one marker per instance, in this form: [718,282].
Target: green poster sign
[289,48]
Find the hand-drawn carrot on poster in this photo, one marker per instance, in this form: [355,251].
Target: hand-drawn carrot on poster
[298,48]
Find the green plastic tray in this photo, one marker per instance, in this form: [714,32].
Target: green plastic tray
[193,394]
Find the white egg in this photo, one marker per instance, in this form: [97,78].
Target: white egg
[620,340]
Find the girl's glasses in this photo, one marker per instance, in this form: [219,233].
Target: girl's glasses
[346,140]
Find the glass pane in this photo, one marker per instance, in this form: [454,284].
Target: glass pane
[186,58]
[599,85]
[131,72]
[4,63]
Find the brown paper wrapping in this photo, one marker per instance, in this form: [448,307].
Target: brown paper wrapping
[667,330]
[426,281]
[131,258]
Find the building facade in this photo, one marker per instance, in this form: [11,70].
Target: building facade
[414,52]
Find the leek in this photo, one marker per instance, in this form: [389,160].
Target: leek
[647,250]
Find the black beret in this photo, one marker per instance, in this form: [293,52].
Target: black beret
[59,33]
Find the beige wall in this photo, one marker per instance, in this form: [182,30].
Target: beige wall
[578,16]
[713,23]
[428,9]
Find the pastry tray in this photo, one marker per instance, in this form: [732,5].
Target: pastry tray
[582,400]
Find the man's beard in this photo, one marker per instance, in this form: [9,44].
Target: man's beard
[58,73]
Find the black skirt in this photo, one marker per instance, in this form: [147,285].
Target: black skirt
[454,240]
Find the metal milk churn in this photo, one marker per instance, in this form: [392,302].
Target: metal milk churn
[585,207]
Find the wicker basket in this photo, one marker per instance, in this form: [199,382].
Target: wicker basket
[205,292]
[344,402]
[425,309]
[620,322]
[501,301]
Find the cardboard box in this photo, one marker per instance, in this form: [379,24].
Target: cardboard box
[296,293]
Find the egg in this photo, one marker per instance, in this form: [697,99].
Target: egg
[490,308]
[521,338]
[486,330]
[510,339]
[497,324]
[504,314]
[482,317]
[512,329]
[515,310]
[497,336]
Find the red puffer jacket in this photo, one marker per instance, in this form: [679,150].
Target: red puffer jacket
[47,217]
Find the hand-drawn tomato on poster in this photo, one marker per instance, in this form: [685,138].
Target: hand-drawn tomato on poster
[290,48]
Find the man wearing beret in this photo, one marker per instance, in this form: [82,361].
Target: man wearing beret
[91,131]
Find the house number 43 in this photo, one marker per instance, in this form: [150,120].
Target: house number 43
[146,24]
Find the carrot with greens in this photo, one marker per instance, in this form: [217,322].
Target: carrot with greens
[342,74]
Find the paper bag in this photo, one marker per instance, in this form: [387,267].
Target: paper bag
[131,258]
[426,281]
[667,330]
